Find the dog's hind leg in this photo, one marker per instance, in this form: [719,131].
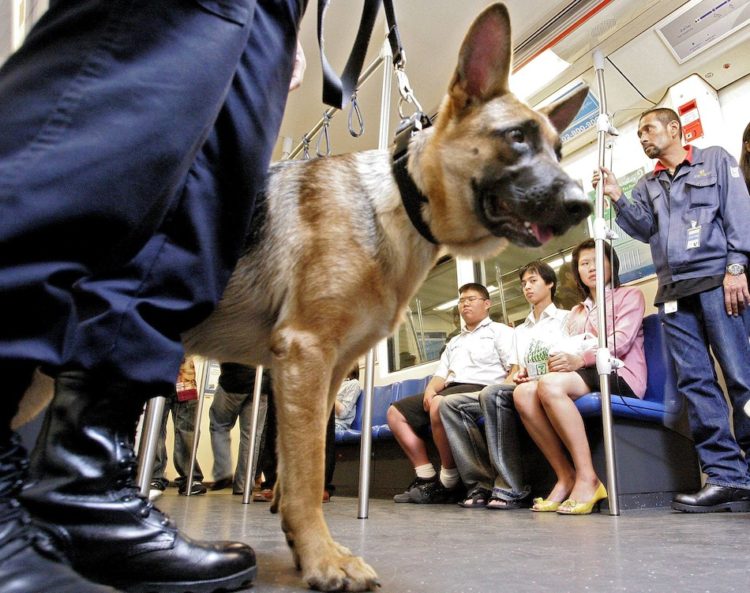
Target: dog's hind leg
[302,376]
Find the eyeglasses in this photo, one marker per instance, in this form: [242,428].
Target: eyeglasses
[470,300]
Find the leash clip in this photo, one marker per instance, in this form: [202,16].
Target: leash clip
[405,91]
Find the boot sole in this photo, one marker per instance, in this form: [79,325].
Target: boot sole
[739,506]
[240,580]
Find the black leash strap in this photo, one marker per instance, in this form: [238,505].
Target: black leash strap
[394,39]
[337,92]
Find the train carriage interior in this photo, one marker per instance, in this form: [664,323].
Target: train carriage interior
[691,56]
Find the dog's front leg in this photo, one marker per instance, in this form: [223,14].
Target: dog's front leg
[301,373]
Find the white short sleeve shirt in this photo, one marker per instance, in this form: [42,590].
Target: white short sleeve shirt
[481,356]
[533,339]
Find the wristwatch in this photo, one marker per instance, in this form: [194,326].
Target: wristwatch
[735,269]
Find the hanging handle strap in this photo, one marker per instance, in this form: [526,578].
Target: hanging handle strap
[337,91]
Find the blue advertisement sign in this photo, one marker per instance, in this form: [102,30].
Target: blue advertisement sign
[584,120]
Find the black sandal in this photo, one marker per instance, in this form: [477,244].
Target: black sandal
[495,503]
[476,499]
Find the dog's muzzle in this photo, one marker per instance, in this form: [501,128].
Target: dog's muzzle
[530,215]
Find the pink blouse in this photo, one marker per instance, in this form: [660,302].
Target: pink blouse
[625,307]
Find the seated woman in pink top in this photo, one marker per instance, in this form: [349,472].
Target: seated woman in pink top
[546,405]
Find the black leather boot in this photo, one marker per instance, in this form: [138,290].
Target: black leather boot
[82,489]
[28,560]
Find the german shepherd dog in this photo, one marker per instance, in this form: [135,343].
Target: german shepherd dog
[333,259]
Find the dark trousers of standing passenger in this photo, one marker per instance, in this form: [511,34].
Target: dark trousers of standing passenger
[701,321]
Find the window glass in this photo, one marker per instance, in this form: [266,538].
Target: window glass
[431,319]
[508,304]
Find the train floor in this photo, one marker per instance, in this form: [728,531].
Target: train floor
[448,549]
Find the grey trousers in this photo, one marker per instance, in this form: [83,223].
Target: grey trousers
[226,409]
[486,458]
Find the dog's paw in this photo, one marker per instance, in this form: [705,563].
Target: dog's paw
[341,571]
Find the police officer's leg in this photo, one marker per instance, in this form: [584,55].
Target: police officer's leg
[90,157]
[138,311]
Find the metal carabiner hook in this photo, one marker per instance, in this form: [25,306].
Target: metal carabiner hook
[354,110]
[324,135]
[305,148]
[406,94]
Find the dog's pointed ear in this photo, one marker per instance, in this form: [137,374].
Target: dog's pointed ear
[484,60]
[563,111]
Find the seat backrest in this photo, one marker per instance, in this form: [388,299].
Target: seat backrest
[661,385]
[382,397]
[358,408]
[413,387]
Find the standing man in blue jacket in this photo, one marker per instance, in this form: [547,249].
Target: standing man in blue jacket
[135,136]
[693,209]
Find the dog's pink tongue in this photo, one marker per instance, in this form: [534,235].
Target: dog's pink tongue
[541,232]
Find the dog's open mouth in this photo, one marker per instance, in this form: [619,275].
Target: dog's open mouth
[502,221]
[529,216]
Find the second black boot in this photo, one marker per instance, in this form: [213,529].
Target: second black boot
[29,561]
[82,490]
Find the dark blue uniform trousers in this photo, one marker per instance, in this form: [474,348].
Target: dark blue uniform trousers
[134,135]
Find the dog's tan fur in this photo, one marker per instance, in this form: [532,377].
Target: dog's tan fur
[333,260]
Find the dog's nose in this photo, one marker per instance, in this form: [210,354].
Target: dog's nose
[577,207]
[575,203]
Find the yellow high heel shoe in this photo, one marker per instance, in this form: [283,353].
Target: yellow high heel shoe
[542,505]
[571,507]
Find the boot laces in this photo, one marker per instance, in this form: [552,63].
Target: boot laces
[21,529]
[126,480]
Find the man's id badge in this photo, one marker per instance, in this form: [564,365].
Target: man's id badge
[694,236]
[670,307]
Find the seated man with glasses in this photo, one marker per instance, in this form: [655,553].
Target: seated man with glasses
[473,359]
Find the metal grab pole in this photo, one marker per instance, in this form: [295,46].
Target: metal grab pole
[365,450]
[197,427]
[603,359]
[151,432]
[251,461]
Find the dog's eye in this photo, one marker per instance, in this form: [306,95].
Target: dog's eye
[516,136]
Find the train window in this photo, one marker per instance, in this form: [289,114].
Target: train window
[431,319]
[501,273]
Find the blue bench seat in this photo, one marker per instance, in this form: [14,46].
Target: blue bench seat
[383,396]
[661,403]
[655,455]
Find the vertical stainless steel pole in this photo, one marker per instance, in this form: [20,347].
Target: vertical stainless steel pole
[365,443]
[197,429]
[365,451]
[603,358]
[151,432]
[251,461]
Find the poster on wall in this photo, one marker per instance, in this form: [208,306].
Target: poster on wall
[634,255]
[211,380]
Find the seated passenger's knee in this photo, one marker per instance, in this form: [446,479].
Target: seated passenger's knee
[523,397]
[393,416]
[548,389]
[435,404]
